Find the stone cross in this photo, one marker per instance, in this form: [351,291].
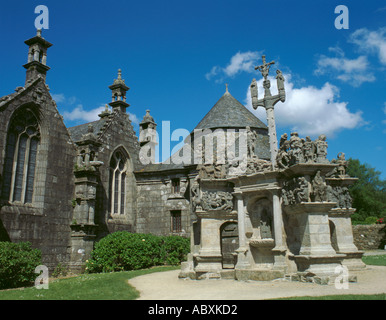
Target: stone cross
[264,68]
[268,102]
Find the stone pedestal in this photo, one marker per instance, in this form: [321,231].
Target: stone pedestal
[316,254]
[342,238]
[82,243]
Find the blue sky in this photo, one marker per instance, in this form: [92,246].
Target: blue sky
[176,57]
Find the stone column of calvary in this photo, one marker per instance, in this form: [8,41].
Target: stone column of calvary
[268,102]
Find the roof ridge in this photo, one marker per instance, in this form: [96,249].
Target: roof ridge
[229,112]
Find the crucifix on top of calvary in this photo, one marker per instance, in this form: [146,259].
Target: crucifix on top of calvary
[268,102]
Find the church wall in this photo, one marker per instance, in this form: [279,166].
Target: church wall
[118,134]
[44,222]
[157,203]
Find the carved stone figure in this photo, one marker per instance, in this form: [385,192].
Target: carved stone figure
[195,189]
[266,225]
[283,139]
[296,145]
[331,194]
[280,80]
[321,149]
[308,150]
[283,159]
[345,198]
[219,171]
[342,164]
[301,191]
[206,171]
[251,142]
[319,188]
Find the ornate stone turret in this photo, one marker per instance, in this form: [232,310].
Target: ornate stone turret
[148,138]
[105,113]
[37,57]
[83,225]
[119,90]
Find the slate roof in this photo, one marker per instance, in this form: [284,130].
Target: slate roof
[229,113]
[226,113]
[77,132]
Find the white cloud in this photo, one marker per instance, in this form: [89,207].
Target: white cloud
[61,98]
[353,71]
[134,119]
[79,114]
[309,110]
[240,62]
[213,72]
[58,97]
[371,42]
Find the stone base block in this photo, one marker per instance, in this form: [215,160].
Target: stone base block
[353,261]
[311,278]
[228,274]
[258,274]
[322,265]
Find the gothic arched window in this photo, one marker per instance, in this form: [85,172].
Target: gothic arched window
[20,159]
[118,172]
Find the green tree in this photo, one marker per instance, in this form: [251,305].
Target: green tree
[368,193]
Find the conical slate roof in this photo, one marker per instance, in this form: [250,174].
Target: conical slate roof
[229,113]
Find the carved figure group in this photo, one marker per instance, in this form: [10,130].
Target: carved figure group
[298,150]
[219,200]
[212,171]
[255,165]
[295,191]
[340,195]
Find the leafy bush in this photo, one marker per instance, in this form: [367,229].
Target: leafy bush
[175,249]
[122,251]
[17,264]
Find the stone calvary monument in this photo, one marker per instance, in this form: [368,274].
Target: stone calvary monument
[252,207]
[290,215]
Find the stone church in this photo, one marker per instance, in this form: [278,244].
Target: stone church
[260,213]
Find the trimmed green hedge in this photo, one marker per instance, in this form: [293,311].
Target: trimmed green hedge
[123,251]
[17,264]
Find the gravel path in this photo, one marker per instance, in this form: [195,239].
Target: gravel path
[167,286]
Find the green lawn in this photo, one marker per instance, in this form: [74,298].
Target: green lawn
[101,286]
[114,286]
[342,297]
[375,260]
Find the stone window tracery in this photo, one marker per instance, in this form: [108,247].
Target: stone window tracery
[20,161]
[118,171]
